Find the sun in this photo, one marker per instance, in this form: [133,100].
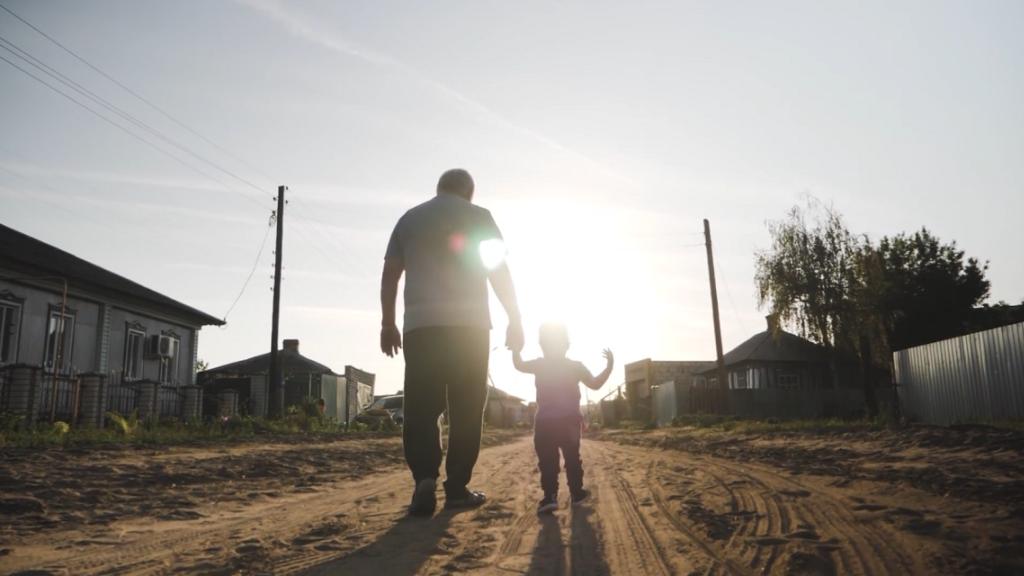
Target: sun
[579,267]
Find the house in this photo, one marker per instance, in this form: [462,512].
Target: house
[775,374]
[62,316]
[244,384]
[773,358]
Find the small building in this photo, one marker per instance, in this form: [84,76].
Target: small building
[656,389]
[344,395]
[503,409]
[61,316]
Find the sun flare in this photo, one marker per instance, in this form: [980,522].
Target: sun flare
[584,272]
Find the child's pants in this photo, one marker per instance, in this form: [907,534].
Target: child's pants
[550,436]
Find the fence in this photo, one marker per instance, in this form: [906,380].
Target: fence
[38,396]
[974,377]
[5,387]
[169,401]
[122,397]
[58,397]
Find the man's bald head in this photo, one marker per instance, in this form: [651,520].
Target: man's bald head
[456,181]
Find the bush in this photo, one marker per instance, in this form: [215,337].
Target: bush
[126,426]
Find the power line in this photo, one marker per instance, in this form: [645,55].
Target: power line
[121,127]
[142,98]
[255,264]
[57,75]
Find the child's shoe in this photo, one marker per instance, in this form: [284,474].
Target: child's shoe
[548,504]
[580,496]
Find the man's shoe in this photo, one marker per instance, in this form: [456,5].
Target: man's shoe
[470,499]
[424,498]
[547,505]
[580,496]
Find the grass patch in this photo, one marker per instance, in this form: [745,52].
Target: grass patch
[130,430]
[719,423]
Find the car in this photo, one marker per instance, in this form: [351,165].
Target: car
[383,408]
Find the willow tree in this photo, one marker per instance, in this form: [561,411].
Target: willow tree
[825,282]
[809,275]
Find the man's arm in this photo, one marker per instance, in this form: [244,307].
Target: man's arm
[390,336]
[595,382]
[505,290]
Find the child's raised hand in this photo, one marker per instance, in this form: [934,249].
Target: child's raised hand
[608,356]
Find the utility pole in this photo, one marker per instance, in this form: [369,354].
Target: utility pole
[275,389]
[723,381]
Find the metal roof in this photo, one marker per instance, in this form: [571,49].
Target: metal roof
[778,347]
[25,252]
[291,362]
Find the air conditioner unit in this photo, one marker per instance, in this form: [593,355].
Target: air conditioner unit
[159,346]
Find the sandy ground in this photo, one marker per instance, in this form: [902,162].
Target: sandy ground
[947,502]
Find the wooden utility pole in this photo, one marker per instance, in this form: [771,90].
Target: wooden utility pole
[723,381]
[275,389]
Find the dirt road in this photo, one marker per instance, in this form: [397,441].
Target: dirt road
[654,511]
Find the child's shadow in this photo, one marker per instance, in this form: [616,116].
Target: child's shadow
[549,553]
[585,553]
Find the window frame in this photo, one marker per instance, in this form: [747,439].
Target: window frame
[13,309]
[169,365]
[738,376]
[787,380]
[130,331]
[49,356]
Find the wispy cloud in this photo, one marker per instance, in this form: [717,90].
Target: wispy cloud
[112,178]
[303,27]
[47,194]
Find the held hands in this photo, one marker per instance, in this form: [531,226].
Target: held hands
[609,357]
[390,340]
[514,339]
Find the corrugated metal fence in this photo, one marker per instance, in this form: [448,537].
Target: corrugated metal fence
[975,377]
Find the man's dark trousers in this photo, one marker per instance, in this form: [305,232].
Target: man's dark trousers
[445,366]
[551,435]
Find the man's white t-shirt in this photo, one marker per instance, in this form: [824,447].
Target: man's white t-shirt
[438,243]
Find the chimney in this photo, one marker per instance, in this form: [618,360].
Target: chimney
[773,322]
[291,344]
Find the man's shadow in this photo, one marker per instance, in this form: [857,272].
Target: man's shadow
[403,549]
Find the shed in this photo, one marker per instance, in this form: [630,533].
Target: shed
[503,409]
[344,395]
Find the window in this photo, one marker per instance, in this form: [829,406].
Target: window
[10,317]
[788,380]
[739,380]
[169,363]
[60,339]
[134,343]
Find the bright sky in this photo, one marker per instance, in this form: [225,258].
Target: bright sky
[599,134]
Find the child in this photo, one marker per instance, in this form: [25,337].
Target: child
[558,419]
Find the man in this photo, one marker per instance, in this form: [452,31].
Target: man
[448,249]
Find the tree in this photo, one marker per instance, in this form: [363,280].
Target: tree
[809,274]
[931,291]
[825,281]
[861,300]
